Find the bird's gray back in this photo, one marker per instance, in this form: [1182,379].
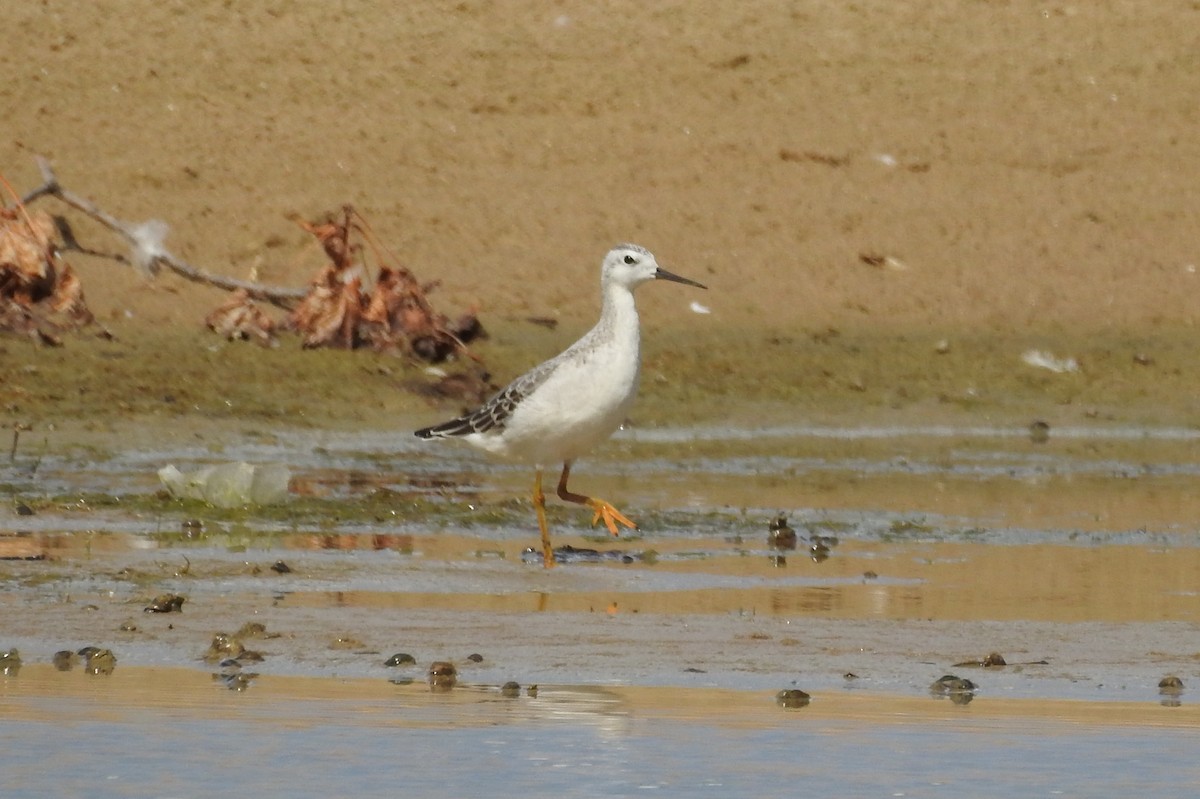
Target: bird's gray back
[494,414]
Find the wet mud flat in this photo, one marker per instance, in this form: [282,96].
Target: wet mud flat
[916,552]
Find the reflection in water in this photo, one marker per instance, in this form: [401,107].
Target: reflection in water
[376,542]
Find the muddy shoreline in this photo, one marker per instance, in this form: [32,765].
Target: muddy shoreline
[973,542]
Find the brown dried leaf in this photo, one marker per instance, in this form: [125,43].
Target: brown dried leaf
[25,245]
[240,318]
[40,295]
[67,298]
[328,315]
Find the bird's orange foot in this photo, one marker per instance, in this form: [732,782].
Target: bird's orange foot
[610,515]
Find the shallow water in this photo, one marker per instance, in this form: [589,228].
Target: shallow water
[161,733]
[1076,558]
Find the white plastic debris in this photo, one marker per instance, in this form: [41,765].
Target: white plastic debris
[698,308]
[1045,360]
[229,485]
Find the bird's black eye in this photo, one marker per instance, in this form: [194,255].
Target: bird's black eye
[629,259]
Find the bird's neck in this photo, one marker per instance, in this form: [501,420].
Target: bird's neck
[618,314]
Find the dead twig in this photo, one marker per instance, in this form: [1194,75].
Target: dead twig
[147,242]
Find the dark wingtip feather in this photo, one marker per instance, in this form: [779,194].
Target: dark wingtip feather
[455,427]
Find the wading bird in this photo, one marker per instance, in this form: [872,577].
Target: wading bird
[564,407]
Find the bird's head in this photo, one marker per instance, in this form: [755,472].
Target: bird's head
[630,265]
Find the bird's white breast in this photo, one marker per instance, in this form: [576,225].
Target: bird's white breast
[584,400]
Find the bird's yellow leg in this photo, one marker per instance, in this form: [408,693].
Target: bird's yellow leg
[604,510]
[539,505]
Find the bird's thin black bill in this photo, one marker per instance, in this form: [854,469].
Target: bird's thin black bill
[663,274]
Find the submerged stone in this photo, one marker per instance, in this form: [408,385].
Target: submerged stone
[253,629]
[792,698]
[223,646]
[10,662]
[780,535]
[951,685]
[400,659]
[166,603]
[442,675]
[990,661]
[101,661]
[1170,685]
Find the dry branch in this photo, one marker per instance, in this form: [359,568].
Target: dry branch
[146,239]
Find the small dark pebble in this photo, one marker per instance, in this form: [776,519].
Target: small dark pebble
[949,684]
[253,629]
[280,567]
[1039,432]
[693,670]
[400,659]
[532,691]
[128,627]
[475,657]
[166,603]
[870,575]
[346,642]
[65,660]
[849,676]
[792,698]
[442,675]
[10,663]
[191,526]
[510,689]
[24,510]
[993,660]
[102,661]
[1170,685]
[223,646]
[780,535]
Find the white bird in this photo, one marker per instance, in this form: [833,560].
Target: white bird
[564,407]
